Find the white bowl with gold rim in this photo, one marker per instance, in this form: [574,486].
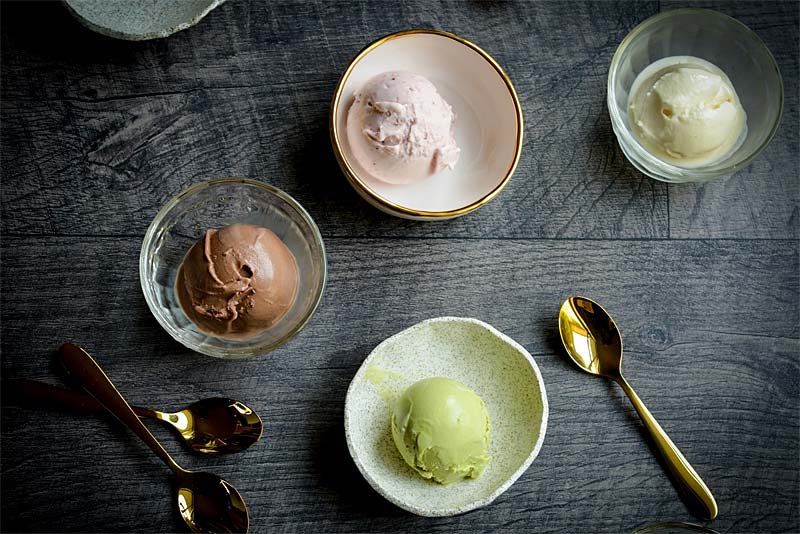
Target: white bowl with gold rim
[488,125]
[469,351]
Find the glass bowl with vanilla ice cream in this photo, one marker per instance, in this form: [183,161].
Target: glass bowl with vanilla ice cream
[693,95]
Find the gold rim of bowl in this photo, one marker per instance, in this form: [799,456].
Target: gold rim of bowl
[384,203]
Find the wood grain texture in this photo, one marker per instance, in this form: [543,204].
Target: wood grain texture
[95,126]
[724,381]
[97,134]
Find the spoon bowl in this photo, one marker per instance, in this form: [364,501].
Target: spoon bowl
[591,337]
[594,343]
[215,425]
[208,503]
[210,426]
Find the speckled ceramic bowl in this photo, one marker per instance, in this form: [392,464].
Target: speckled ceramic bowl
[139,20]
[497,368]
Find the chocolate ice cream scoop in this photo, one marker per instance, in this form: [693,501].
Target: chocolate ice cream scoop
[237,281]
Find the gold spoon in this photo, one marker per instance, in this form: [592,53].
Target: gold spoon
[211,426]
[594,343]
[206,502]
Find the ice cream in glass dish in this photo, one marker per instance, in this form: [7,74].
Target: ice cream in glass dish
[685,111]
[237,281]
[400,128]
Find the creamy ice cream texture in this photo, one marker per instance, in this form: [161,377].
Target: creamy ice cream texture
[237,281]
[441,428]
[400,129]
[685,111]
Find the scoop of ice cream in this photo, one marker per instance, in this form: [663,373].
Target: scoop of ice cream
[686,112]
[237,281]
[400,129]
[441,428]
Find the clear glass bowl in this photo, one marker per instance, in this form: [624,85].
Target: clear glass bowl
[214,204]
[717,38]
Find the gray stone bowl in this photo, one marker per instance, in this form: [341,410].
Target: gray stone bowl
[139,20]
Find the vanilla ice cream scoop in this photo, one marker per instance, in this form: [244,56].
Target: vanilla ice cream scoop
[400,129]
[685,111]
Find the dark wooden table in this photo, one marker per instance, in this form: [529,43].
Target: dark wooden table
[703,279]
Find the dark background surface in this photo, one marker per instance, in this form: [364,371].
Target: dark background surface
[703,279]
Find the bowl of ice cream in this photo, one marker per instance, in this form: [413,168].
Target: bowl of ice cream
[693,95]
[232,267]
[445,416]
[426,125]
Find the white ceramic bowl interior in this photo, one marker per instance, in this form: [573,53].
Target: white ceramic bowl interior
[497,368]
[488,122]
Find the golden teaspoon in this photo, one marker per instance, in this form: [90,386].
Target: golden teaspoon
[594,343]
[206,502]
[211,426]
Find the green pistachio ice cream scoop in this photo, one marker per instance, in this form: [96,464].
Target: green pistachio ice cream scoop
[441,427]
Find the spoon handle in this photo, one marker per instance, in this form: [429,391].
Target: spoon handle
[83,367]
[687,479]
[22,391]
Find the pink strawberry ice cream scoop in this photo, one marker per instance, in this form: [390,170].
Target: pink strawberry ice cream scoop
[400,129]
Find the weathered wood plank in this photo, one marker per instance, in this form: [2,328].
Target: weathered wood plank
[572,181]
[711,335]
[97,134]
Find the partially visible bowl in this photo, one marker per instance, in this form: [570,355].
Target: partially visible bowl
[725,42]
[214,204]
[488,123]
[140,20]
[472,352]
